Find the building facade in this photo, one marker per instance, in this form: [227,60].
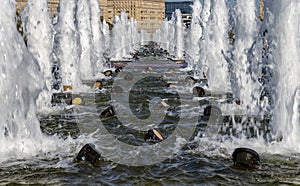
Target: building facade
[52,4]
[184,6]
[148,13]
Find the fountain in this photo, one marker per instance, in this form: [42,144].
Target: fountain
[164,35]
[156,37]
[282,22]
[67,47]
[123,46]
[119,39]
[258,48]
[145,37]
[106,35]
[194,36]
[98,38]
[205,14]
[38,31]
[161,35]
[171,36]
[134,36]
[216,41]
[86,60]
[179,36]
[246,86]
[20,84]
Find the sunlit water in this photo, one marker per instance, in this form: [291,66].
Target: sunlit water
[206,160]
[41,149]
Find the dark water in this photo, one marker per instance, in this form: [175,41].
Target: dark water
[203,161]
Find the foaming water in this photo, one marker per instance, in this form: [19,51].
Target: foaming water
[20,85]
[179,35]
[194,35]
[283,24]
[21,82]
[202,63]
[161,35]
[68,44]
[125,38]
[98,38]
[86,62]
[171,35]
[106,35]
[90,39]
[38,31]
[134,36]
[216,40]
[118,41]
[246,86]
[145,37]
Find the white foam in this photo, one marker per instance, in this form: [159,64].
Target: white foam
[20,132]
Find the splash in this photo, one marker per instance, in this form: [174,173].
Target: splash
[38,31]
[98,40]
[125,38]
[134,36]
[68,44]
[216,39]
[205,14]
[179,36]
[106,32]
[171,36]
[20,85]
[145,37]
[161,35]
[119,47]
[246,87]
[194,36]
[86,62]
[283,24]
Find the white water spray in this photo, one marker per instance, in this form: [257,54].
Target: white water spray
[205,14]
[39,33]
[106,35]
[161,35]
[179,36]
[145,37]
[284,31]
[68,50]
[98,40]
[171,36]
[217,42]
[194,36]
[118,39]
[86,63]
[20,84]
[247,87]
[124,33]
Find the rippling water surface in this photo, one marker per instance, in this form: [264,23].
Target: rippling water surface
[206,159]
